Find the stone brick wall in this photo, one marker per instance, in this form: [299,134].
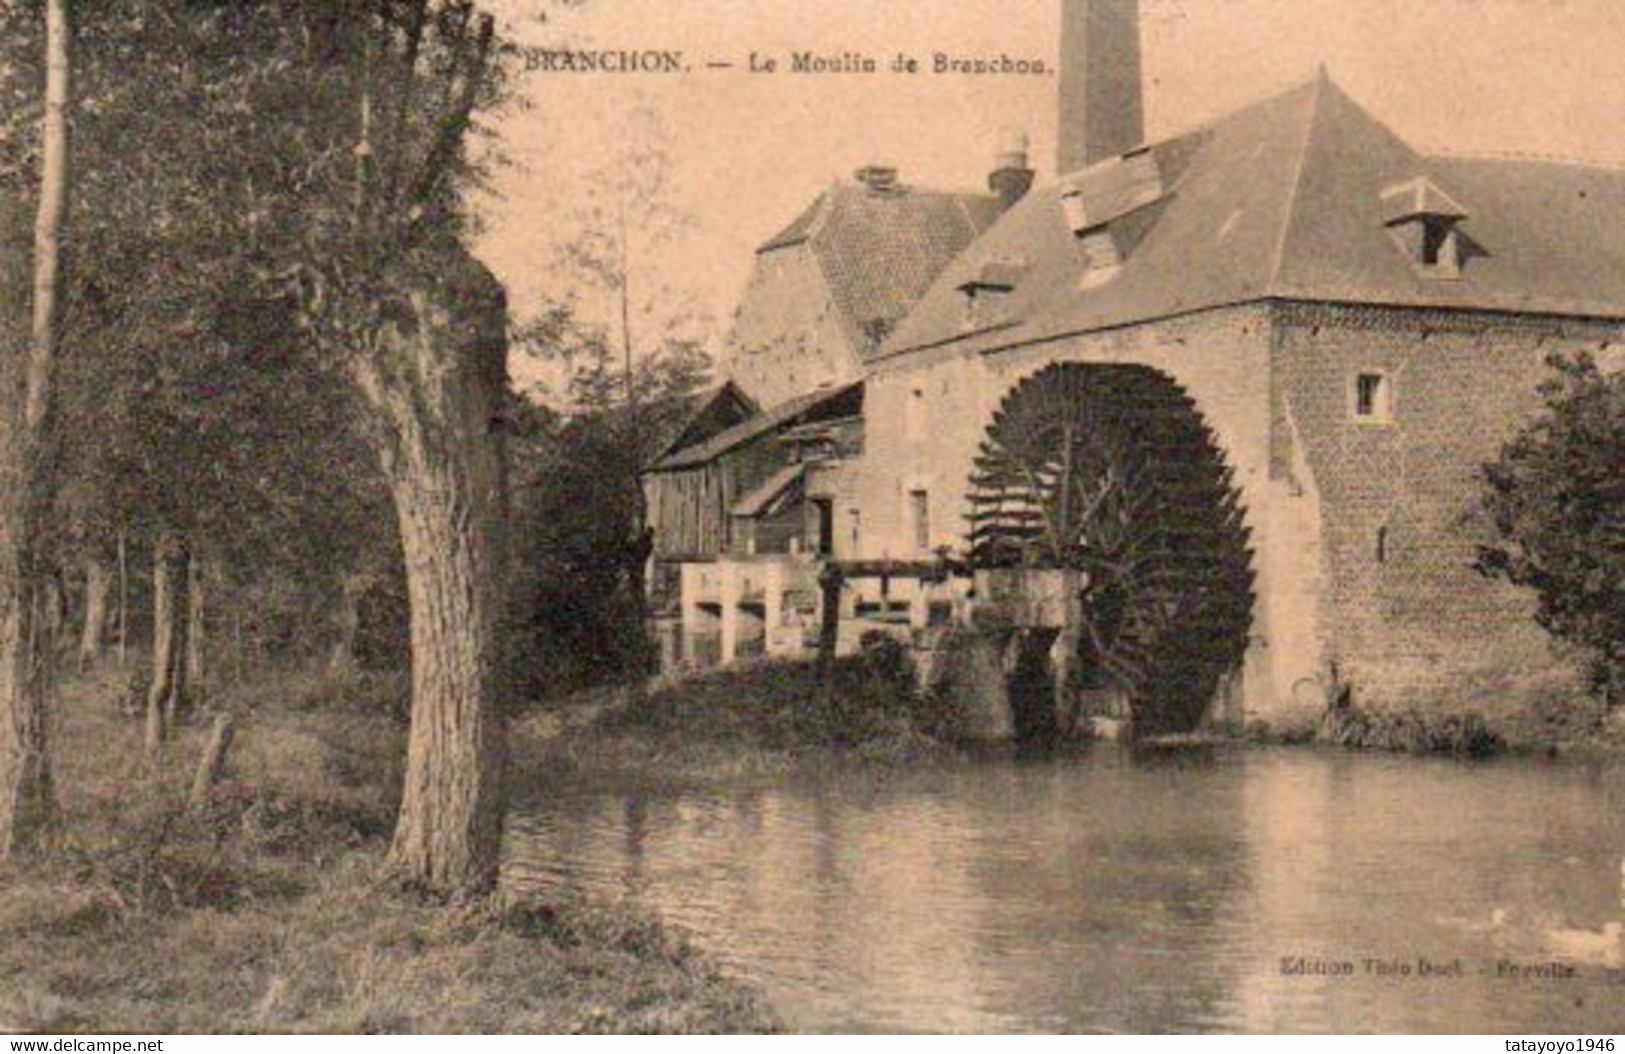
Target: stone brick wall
[787,338]
[1413,624]
[1222,360]
[1405,617]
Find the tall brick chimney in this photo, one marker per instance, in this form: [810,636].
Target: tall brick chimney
[1102,111]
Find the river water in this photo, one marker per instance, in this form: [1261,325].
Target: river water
[1230,891]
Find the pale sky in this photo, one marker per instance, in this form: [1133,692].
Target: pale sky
[748,152]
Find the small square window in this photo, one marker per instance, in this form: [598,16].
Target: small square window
[1373,397]
[919,507]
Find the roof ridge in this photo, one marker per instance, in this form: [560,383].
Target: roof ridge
[1523,156]
[820,219]
[1314,80]
[1319,83]
[764,420]
[964,202]
[799,229]
[906,189]
[1209,123]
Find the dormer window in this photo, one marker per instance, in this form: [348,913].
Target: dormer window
[1099,196]
[1096,244]
[1425,223]
[993,278]
[1101,256]
[986,290]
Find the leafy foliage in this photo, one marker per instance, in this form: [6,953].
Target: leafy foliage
[1556,498]
[868,708]
[294,158]
[191,404]
[576,504]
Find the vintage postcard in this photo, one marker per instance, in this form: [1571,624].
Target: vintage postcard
[820,516]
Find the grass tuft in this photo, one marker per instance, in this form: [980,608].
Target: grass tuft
[755,721]
[267,910]
[1460,734]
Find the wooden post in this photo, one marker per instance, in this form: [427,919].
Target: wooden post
[212,765]
[1064,656]
[729,593]
[830,581]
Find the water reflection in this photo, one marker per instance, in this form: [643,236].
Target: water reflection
[1113,894]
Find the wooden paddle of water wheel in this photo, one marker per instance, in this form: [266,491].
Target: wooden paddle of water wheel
[1109,471]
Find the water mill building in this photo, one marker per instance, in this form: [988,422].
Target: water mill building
[1229,392]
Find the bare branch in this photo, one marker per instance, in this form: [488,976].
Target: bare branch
[475,64]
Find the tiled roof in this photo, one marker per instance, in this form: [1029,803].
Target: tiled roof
[699,415]
[1285,198]
[879,250]
[831,401]
[763,497]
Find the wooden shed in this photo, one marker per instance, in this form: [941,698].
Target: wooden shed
[695,495]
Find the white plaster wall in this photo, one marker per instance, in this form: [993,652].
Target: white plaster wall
[788,339]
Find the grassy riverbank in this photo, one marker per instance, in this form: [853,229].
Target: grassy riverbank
[264,912]
[755,721]
[1537,714]
[762,720]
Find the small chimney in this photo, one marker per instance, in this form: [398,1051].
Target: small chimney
[880,179]
[1012,177]
[1102,110]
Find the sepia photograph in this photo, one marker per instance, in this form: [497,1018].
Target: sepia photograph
[908,517]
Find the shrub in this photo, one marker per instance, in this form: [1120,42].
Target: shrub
[1556,499]
[868,705]
[1462,735]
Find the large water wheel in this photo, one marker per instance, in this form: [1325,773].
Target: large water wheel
[1109,470]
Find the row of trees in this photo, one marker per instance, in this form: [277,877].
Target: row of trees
[253,322]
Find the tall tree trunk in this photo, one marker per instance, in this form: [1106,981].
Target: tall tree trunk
[434,393]
[194,682]
[27,796]
[167,692]
[641,542]
[27,799]
[98,588]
